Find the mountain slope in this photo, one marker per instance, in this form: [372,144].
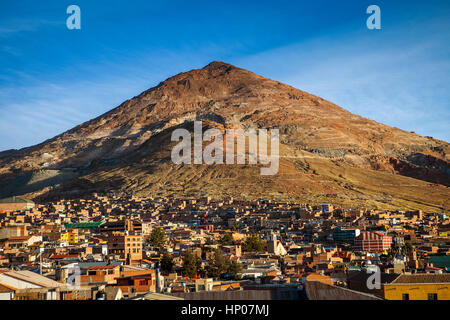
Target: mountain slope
[326,152]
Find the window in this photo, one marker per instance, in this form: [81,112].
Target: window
[432,296]
[142,282]
[405,296]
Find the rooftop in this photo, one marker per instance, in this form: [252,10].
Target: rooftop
[83,225]
[422,278]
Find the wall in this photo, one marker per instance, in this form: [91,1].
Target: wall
[322,291]
[417,291]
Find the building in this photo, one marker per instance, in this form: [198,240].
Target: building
[92,226]
[22,242]
[345,235]
[127,246]
[440,262]
[373,241]
[317,290]
[204,284]
[357,280]
[15,204]
[69,237]
[24,279]
[326,208]
[16,230]
[274,245]
[424,286]
[6,293]
[100,274]
[138,284]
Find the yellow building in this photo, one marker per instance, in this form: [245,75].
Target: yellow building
[394,228]
[70,237]
[424,286]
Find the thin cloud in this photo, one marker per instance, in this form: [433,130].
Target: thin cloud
[400,83]
[13,27]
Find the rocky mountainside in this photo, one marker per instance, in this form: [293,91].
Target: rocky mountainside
[326,153]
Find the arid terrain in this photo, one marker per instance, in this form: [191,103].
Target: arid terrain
[327,154]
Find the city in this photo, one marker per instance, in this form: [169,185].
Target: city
[224,159]
[106,247]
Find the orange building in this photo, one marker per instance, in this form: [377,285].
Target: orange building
[100,274]
[136,284]
[128,246]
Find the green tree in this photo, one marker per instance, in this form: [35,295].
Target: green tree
[190,264]
[167,263]
[234,268]
[51,208]
[218,264]
[157,237]
[227,240]
[408,247]
[253,243]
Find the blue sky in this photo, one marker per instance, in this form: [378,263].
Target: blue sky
[52,78]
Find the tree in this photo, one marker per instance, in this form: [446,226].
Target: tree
[227,240]
[51,208]
[218,264]
[408,247]
[166,263]
[157,237]
[234,268]
[253,243]
[190,264]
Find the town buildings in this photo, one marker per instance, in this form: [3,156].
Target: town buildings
[100,248]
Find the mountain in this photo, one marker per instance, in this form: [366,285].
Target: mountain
[327,154]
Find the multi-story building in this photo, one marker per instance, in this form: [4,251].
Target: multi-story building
[69,237]
[373,241]
[345,235]
[127,246]
[326,208]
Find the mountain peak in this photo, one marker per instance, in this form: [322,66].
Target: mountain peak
[216,64]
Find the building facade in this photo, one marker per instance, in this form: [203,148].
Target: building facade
[373,242]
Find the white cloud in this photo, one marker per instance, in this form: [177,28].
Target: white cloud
[12,27]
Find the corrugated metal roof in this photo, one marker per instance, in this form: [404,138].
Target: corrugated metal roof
[83,225]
